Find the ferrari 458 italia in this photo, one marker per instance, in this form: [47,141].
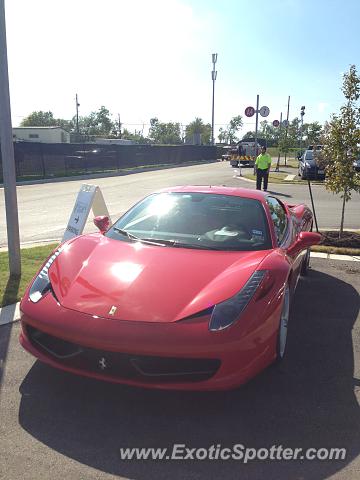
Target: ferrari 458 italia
[190,289]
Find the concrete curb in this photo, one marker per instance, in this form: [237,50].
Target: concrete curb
[113,173]
[333,256]
[11,313]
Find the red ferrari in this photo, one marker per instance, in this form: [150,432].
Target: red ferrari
[190,289]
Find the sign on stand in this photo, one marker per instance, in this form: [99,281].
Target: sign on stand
[89,198]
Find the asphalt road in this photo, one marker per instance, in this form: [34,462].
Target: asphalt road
[44,209]
[59,426]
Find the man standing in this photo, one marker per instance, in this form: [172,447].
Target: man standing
[263,164]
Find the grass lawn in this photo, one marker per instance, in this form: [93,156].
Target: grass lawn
[280,178]
[276,178]
[336,250]
[12,289]
[274,152]
[290,163]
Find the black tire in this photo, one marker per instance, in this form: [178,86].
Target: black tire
[305,264]
[281,341]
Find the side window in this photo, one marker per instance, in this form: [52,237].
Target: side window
[279,217]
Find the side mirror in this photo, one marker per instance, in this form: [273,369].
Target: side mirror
[304,241]
[102,222]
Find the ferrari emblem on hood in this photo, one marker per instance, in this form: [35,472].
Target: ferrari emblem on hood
[102,363]
[112,310]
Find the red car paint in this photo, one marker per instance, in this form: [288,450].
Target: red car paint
[161,297]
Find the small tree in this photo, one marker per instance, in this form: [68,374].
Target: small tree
[46,119]
[164,133]
[230,133]
[313,132]
[97,123]
[197,126]
[341,144]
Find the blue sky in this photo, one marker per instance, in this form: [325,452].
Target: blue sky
[153,58]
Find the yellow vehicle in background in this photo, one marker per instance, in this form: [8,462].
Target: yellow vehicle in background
[244,154]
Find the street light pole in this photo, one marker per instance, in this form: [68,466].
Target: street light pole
[256,130]
[77,114]
[286,130]
[213,76]
[7,151]
[302,113]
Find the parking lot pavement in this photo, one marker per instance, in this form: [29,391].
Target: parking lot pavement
[55,425]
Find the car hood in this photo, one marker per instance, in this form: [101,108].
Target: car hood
[139,282]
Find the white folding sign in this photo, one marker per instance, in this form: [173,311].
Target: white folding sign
[89,197]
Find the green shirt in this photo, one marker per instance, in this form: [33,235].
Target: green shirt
[263,161]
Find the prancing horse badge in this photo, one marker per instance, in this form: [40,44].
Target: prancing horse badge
[112,310]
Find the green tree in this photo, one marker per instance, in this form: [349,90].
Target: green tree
[293,133]
[313,132]
[341,144]
[136,137]
[197,126]
[229,135]
[164,133]
[223,136]
[97,123]
[46,119]
[269,133]
[250,135]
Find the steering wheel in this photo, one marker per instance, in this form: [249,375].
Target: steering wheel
[239,227]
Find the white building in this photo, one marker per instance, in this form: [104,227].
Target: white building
[41,134]
[113,141]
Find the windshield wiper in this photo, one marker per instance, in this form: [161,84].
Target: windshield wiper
[164,242]
[176,243]
[158,241]
[127,234]
[194,246]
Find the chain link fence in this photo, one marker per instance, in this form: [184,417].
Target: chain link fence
[47,160]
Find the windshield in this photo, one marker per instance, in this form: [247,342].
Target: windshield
[309,155]
[196,220]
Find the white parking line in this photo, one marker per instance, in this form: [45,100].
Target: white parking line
[332,256]
[10,313]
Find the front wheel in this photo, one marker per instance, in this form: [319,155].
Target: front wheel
[283,326]
[305,264]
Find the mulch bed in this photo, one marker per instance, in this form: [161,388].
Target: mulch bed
[347,240]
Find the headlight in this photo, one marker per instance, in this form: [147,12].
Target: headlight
[42,284]
[226,313]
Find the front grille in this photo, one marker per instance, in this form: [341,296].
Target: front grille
[123,365]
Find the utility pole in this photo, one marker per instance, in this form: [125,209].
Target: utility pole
[256,128]
[77,114]
[119,123]
[213,76]
[287,126]
[278,160]
[7,151]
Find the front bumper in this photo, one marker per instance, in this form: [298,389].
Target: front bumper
[313,174]
[181,355]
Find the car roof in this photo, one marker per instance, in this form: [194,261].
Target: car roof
[218,190]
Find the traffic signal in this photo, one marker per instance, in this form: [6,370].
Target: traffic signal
[302,112]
